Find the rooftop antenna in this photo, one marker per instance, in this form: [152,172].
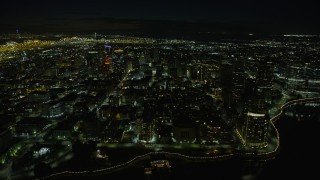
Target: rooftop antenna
[107,47]
[17,32]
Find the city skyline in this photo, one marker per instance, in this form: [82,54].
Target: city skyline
[73,104]
[159,89]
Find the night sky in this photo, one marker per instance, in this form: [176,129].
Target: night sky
[91,15]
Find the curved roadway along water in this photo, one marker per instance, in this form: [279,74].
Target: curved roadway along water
[193,158]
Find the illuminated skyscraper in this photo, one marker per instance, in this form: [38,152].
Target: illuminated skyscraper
[255,130]
[107,62]
[254,125]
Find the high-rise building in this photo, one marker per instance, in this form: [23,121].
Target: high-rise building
[146,131]
[264,80]
[226,74]
[155,56]
[128,64]
[238,79]
[254,125]
[255,130]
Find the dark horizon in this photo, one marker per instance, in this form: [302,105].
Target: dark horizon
[270,17]
[170,28]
